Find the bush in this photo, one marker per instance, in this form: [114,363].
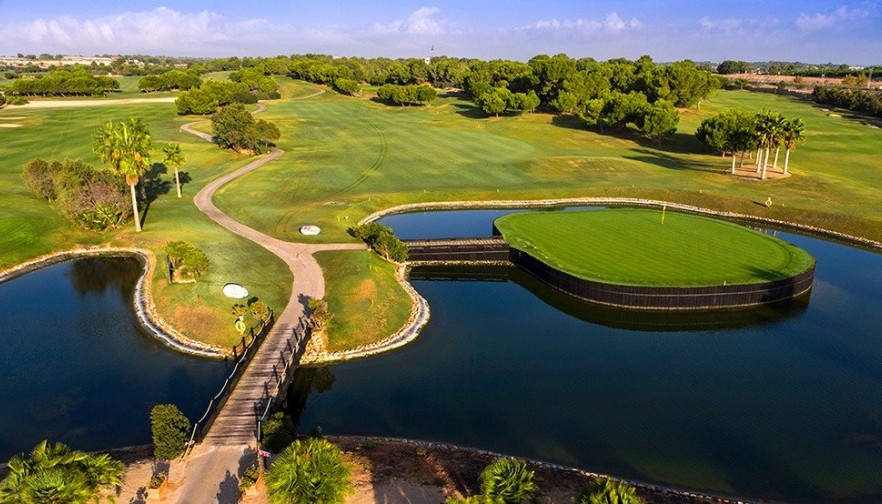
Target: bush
[187,260]
[249,478]
[170,430]
[608,491]
[346,86]
[18,100]
[507,480]
[310,470]
[321,315]
[278,432]
[382,240]
[93,199]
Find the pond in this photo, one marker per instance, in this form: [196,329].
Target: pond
[76,366]
[780,402]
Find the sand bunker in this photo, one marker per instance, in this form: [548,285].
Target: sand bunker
[93,103]
[12,118]
[10,125]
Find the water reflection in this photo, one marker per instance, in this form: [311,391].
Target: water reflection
[97,274]
[655,321]
[305,381]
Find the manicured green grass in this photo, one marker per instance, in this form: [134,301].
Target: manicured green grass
[628,246]
[365,299]
[346,157]
[30,227]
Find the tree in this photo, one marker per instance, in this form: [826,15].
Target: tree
[235,128]
[310,470]
[55,474]
[187,260]
[658,120]
[494,101]
[769,127]
[792,132]
[606,491]
[348,86]
[320,315]
[507,480]
[170,429]
[174,158]
[278,432]
[124,147]
[382,240]
[733,67]
[731,131]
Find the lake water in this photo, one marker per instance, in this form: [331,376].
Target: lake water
[781,403]
[75,366]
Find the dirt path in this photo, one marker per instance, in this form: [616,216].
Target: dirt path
[212,471]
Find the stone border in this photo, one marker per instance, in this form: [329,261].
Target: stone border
[419,317]
[145,309]
[639,202]
[546,465]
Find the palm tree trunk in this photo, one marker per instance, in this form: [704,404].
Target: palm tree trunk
[786,160]
[178,181]
[765,164]
[733,163]
[135,208]
[775,164]
[759,159]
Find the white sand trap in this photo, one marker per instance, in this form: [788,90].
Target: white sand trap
[41,104]
[833,115]
[10,125]
[12,118]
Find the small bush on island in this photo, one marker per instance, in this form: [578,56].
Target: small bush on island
[381,238]
[170,429]
[309,470]
[187,261]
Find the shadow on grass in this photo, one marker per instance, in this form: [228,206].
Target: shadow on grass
[671,162]
[469,110]
[153,186]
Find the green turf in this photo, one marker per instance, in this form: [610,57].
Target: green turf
[363,296]
[346,157]
[630,246]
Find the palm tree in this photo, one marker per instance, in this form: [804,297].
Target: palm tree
[507,480]
[769,126]
[310,470]
[125,148]
[793,130]
[174,158]
[606,491]
[56,474]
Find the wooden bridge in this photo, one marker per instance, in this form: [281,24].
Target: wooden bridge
[472,250]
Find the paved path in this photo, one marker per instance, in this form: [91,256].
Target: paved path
[211,472]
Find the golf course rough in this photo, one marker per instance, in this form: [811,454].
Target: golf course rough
[653,248]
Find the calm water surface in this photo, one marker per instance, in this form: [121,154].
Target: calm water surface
[779,403]
[75,366]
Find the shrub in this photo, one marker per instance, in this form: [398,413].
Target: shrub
[249,478]
[94,199]
[606,491]
[310,470]
[382,240]
[321,315]
[187,260]
[507,480]
[170,430]
[278,432]
[347,86]
[18,100]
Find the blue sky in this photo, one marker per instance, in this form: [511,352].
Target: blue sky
[808,30]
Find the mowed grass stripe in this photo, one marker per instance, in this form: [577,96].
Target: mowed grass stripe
[634,247]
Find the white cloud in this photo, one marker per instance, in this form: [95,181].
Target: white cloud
[730,24]
[422,21]
[818,20]
[612,23]
[161,29]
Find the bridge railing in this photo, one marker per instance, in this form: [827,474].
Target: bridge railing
[283,370]
[240,362]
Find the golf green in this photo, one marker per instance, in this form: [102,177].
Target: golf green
[642,247]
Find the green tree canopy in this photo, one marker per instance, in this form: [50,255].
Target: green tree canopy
[235,128]
[170,430]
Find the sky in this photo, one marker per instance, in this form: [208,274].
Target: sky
[811,31]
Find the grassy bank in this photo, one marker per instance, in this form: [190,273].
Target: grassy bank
[635,247]
[31,227]
[365,299]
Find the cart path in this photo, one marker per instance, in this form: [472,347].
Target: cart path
[212,470]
